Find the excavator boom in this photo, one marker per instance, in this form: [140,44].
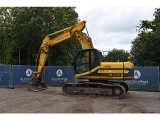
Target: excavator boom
[36,84]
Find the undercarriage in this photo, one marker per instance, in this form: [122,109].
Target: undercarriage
[95,89]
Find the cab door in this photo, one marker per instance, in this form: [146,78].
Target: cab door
[85,61]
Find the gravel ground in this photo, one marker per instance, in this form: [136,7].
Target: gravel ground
[52,100]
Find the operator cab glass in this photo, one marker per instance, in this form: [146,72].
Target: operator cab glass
[86,60]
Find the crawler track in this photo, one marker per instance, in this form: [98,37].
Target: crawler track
[94,89]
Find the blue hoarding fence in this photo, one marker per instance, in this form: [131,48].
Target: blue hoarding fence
[58,75]
[145,78]
[5,75]
[21,75]
[51,75]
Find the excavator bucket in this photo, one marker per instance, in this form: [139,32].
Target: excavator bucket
[36,85]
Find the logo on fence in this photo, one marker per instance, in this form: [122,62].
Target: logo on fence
[28,72]
[137,74]
[59,72]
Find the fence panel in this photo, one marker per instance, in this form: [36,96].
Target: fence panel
[5,75]
[21,74]
[59,75]
[145,78]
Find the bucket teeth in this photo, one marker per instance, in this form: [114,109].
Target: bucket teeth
[36,85]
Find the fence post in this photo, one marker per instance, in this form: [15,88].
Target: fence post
[10,80]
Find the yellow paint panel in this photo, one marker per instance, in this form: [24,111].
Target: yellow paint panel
[117,65]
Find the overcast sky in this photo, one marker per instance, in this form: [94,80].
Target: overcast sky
[110,23]
[113,27]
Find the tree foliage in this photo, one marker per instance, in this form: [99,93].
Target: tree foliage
[5,22]
[117,55]
[146,46]
[27,26]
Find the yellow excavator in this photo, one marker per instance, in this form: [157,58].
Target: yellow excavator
[95,77]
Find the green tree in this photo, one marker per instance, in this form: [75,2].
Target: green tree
[5,22]
[63,53]
[146,46]
[29,27]
[115,55]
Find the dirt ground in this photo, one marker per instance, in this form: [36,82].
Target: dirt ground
[52,100]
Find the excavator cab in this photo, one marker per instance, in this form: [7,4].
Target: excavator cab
[89,64]
[86,60]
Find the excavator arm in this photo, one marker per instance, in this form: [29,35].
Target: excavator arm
[36,83]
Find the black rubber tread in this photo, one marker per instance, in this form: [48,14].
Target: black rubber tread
[94,89]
